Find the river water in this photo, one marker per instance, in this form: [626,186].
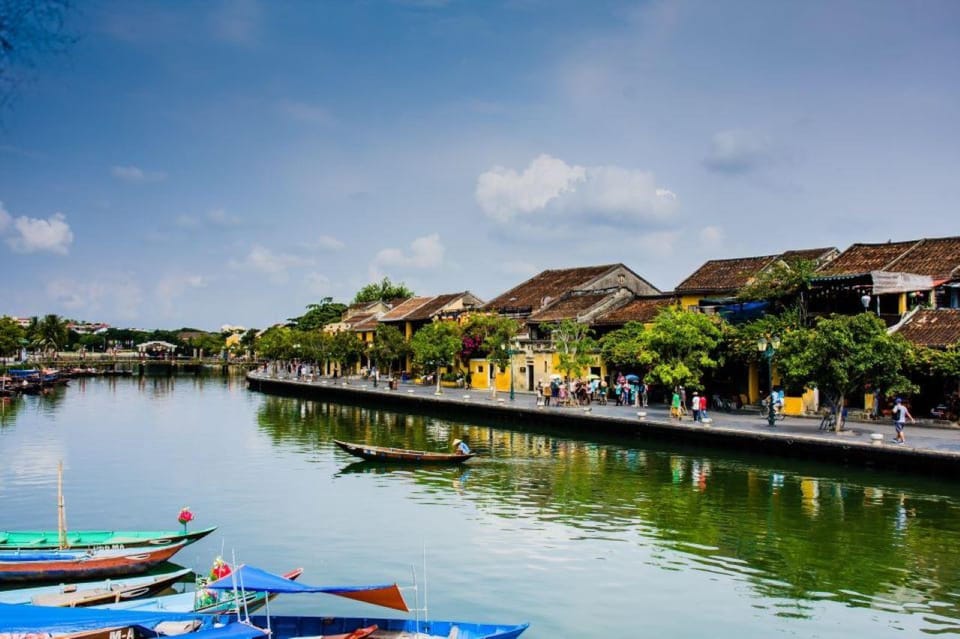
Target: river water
[581,536]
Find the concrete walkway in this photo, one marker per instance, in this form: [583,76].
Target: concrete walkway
[935,441]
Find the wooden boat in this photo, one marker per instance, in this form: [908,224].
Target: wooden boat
[288,627]
[385,454]
[43,622]
[56,565]
[202,600]
[80,539]
[95,592]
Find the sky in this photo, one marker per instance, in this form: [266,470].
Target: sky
[207,163]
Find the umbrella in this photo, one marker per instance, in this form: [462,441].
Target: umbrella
[632,378]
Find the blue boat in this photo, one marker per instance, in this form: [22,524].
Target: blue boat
[288,627]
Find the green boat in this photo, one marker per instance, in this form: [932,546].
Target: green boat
[50,539]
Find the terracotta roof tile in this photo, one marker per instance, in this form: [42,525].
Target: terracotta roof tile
[399,313]
[552,283]
[642,309]
[812,255]
[863,258]
[570,307]
[938,257]
[724,275]
[936,328]
[432,307]
[364,323]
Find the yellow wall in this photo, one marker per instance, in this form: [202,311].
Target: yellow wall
[902,303]
[686,301]
[753,383]
[478,373]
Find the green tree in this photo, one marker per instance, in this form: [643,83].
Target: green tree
[275,343]
[576,349]
[11,336]
[841,353]
[785,285]
[388,346]
[346,349]
[435,345]
[319,315]
[491,336]
[384,290]
[624,347]
[249,338]
[680,346]
[52,334]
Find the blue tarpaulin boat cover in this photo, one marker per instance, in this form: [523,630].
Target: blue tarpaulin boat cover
[22,618]
[250,578]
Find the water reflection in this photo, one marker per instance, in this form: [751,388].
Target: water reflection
[792,533]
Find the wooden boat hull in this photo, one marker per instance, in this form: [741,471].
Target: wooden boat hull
[287,627]
[77,539]
[94,592]
[56,565]
[401,455]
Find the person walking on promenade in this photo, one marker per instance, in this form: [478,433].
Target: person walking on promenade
[676,407]
[540,393]
[695,406]
[643,394]
[900,417]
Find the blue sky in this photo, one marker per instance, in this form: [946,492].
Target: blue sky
[204,163]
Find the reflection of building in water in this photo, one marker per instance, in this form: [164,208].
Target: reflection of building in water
[810,492]
[872,496]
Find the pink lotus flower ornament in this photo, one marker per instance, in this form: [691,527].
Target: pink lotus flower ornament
[185,517]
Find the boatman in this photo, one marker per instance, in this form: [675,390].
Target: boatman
[461,447]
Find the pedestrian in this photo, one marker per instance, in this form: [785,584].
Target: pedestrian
[695,406]
[703,406]
[675,406]
[540,393]
[643,394]
[683,399]
[603,392]
[900,417]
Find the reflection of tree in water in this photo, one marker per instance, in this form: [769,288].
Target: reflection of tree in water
[9,408]
[788,529]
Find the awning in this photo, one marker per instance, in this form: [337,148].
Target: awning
[887,282]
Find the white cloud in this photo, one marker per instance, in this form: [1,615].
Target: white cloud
[118,294]
[137,175]
[553,187]
[318,283]
[5,218]
[324,243]
[738,151]
[425,252]
[219,217]
[305,112]
[172,287]
[711,236]
[275,265]
[32,235]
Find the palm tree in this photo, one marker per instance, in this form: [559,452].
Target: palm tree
[51,334]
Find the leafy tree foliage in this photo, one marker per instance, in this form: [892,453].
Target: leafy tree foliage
[785,285]
[10,335]
[740,341]
[51,333]
[489,336]
[346,349]
[679,347]
[319,315]
[624,347]
[576,349]
[842,353]
[435,345]
[384,290]
[388,346]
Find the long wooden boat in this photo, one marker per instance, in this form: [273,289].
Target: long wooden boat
[79,539]
[401,455]
[94,593]
[57,565]
[202,601]
[288,627]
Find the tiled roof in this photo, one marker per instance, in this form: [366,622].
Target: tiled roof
[811,255]
[432,306]
[863,258]
[551,283]
[938,257]
[571,306]
[724,275]
[399,313]
[642,309]
[364,322]
[936,328]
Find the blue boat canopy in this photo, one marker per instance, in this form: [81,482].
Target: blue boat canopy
[21,618]
[250,578]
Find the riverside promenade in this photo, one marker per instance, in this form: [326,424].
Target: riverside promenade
[931,448]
